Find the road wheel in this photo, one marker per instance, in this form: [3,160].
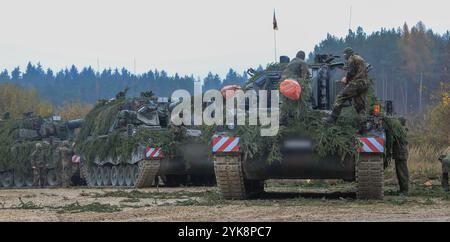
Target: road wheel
[29,178]
[92,180]
[114,176]
[121,176]
[98,176]
[19,179]
[370,177]
[7,179]
[134,173]
[29,181]
[128,176]
[106,176]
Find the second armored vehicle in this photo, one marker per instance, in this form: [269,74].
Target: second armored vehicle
[129,142]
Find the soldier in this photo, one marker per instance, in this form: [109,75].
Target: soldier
[445,159]
[122,94]
[356,86]
[400,155]
[297,68]
[65,169]
[38,160]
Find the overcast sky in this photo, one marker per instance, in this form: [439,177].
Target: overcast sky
[188,36]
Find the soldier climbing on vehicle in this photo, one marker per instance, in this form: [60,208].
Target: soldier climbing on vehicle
[356,86]
[122,94]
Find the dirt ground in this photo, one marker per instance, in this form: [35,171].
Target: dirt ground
[281,202]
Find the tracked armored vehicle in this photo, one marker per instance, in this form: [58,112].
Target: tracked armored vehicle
[354,149]
[19,154]
[129,142]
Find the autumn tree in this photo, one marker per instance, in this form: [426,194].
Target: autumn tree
[17,100]
[73,110]
[417,60]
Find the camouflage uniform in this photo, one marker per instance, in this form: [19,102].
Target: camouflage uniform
[357,86]
[297,68]
[38,162]
[400,155]
[64,163]
[445,159]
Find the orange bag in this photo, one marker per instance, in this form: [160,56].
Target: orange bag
[229,91]
[291,89]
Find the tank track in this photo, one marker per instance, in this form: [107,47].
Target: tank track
[143,177]
[370,177]
[231,181]
[148,171]
[84,172]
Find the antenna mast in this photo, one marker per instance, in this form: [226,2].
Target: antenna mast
[350,19]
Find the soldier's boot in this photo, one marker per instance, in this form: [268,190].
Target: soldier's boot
[445,184]
[404,189]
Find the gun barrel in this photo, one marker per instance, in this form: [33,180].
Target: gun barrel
[74,124]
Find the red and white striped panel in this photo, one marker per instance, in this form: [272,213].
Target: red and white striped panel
[371,145]
[153,153]
[222,144]
[76,159]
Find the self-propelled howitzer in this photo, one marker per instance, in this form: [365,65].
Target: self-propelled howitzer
[34,140]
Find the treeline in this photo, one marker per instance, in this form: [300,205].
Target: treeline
[87,85]
[16,101]
[411,65]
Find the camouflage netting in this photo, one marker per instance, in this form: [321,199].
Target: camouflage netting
[298,118]
[97,143]
[395,134]
[16,147]
[14,154]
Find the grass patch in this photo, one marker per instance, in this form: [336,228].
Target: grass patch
[92,207]
[28,205]
[187,202]
[430,192]
[397,201]
[130,200]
